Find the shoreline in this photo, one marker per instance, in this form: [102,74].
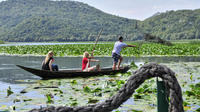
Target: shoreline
[35,55]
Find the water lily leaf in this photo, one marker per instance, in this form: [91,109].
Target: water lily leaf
[61,92]
[191,76]
[96,90]
[198,110]
[25,100]
[133,65]
[189,93]
[9,92]
[91,100]
[12,108]
[185,103]
[86,89]
[136,111]
[119,82]
[186,107]
[107,91]
[137,96]
[23,91]
[73,82]
[49,98]
[140,90]
[16,100]
[74,104]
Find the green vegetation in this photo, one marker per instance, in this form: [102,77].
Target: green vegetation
[147,49]
[144,91]
[175,25]
[195,91]
[9,91]
[45,20]
[49,98]
[1,42]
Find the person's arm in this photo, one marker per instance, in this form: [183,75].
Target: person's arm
[93,60]
[131,45]
[50,65]
[43,63]
[92,55]
[125,45]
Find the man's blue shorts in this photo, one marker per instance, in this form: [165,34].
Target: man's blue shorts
[116,57]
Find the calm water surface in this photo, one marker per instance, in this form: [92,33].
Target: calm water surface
[10,73]
[39,43]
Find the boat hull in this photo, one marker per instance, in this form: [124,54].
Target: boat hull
[46,74]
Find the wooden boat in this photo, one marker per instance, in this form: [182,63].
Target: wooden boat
[46,74]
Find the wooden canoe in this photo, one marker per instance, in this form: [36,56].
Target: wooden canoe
[46,74]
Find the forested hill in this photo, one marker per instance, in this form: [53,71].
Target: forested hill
[45,20]
[176,25]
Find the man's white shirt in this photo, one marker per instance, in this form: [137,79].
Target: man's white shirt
[118,47]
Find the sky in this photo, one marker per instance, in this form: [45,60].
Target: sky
[140,9]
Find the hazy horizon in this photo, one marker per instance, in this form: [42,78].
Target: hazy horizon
[141,9]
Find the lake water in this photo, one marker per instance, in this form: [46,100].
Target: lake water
[9,72]
[18,79]
[39,43]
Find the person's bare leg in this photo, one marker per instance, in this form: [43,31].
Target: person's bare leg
[91,68]
[114,66]
[120,60]
[98,67]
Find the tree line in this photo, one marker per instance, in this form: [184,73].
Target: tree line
[45,20]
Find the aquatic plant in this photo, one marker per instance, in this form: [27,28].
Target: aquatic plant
[181,49]
[9,91]
[195,91]
[49,98]
[2,42]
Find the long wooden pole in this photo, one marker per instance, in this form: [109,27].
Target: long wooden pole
[96,41]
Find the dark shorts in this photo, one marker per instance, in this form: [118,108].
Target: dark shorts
[55,67]
[116,57]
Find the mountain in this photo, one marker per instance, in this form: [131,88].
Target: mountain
[45,20]
[174,25]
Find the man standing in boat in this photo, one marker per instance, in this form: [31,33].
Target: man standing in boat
[116,52]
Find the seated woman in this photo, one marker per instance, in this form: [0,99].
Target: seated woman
[86,63]
[47,64]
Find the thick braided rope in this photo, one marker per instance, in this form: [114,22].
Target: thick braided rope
[145,72]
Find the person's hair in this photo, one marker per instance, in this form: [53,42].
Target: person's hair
[48,56]
[86,55]
[120,38]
